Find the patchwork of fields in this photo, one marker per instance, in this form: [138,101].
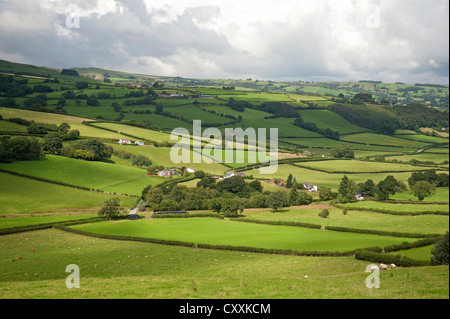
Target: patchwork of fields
[259,260]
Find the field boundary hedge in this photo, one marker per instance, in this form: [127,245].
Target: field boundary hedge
[125,238]
[398,260]
[20,229]
[188,215]
[391,212]
[380,232]
[352,172]
[46,180]
[211,246]
[278,223]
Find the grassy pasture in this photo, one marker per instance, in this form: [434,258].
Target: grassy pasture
[179,272]
[400,208]
[22,195]
[441,195]
[327,119]
[377,139]
[428,224]
[223,232]
[50,118]
[161,156]
[354,166]
[35,220]
[425,138]
[257,97]
[82,173]
[323,179]
[443,150]
[436,158]
[421,253]
[6,126]
[142,133]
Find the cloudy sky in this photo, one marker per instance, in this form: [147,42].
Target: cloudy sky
[386,40]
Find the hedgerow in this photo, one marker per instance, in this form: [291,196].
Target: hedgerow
[278,223]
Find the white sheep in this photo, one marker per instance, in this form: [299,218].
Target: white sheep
[383,267]
[373,268]
[393,266]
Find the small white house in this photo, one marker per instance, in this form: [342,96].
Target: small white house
[190,170]
[124,141]
[139,143]
[310,187]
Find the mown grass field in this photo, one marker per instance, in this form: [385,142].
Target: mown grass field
[425,224]
[36,220]
[398,207]
[423,157]
[223,232]
[96,175]
[151,135]
[353,166]
[156,271]
[24,195]
[421,253]
[6,126]
[161,156]
[441,195]
[324,179]
[327,119]
[50,118]
[377,139]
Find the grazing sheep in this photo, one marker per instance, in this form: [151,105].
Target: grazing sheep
[383,267]
[393,266]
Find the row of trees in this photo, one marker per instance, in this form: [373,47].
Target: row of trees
[422,185]
[228,197]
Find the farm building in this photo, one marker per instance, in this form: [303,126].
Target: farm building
[359,196]
[139,143]
[166,173]
[309,187]
[231,174]
[277,182]
[190,170]
[124,141]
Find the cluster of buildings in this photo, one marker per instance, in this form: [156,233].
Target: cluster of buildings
[124,141]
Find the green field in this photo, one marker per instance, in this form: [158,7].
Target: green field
[141,133]
[377,139]
[36,220]
[97,175]
[421,253]
[353,166]
[6,126]
[327,119]
[23,195]
[400,208]
[424,224]
[425,138]
[441,195]
[161,156]
[50,118]
[324,179]
[423,157]
[222,232]
[153,271]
